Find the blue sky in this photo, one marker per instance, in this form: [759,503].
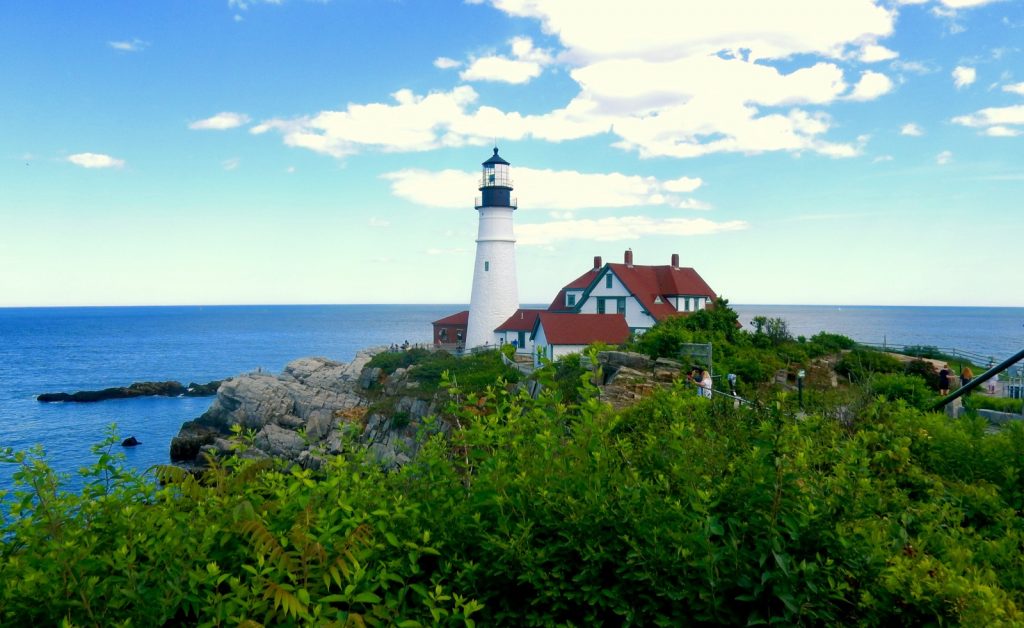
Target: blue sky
[182,152]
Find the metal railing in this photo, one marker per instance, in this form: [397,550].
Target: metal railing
[977,381]
[940,353]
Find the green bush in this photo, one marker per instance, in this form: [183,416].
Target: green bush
[858,364]
[824,343]
[999,404]
[910,388]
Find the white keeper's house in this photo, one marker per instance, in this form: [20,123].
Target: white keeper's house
[604,304]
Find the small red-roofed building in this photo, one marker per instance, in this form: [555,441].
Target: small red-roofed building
[450,331]
[560,333]
[643,294]
[518,330]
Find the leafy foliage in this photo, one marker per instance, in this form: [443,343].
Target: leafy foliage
[859,364]
[999,404]
[553,510]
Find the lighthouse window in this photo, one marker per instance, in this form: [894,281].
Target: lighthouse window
[487,266]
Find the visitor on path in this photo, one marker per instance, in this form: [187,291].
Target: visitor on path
[705,383]
[966,375]
[944,380]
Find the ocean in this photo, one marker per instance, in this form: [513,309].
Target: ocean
[70,349]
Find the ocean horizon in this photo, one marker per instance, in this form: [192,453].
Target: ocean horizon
[71,348]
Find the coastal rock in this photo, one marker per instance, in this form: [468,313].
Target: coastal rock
[278,441]
[310,410]
[138,389]
[624,359]
[131,441]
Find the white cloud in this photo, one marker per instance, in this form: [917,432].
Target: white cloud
[446,63]
[95,160]
[231,164]
[995,121]
[911,129]
[882,158]
[913,67]
[620,228]
[871,85]
[526,63]
[1015,88]
[131,45]
[220,122]
[963,76]
[966,4]
[378,223]
[413,123]
[660,87]
[1001,131]
[873,53]
[944,158]
[683,184]
[546,189]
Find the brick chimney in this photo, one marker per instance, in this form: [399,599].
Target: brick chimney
[675,260]
[628,261]
[597,263]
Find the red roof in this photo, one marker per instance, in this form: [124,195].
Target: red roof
[649,282]
[580,283]
[582,329]
[522,320]
[462,318]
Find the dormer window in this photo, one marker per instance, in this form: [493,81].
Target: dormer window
[570,299]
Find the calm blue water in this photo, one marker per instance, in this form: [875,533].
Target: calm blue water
[69,349]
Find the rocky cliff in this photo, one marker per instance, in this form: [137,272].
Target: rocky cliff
[309,411]
[316,406]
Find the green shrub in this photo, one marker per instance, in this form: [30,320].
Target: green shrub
[999,404]
[925,370]
[910,388]
[858,364]
[824,343]
[391,361]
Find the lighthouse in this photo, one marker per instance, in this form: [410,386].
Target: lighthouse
[495,294]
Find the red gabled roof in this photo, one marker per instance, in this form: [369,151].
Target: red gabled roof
[462,318]
[522,320]
[649,282]
[580,283]
[582,329]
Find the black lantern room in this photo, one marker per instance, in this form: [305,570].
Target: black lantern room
[495,184]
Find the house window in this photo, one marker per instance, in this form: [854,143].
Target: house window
[608,280]
[600,306]
[570,300]
[522,339]
[487,266]
[620,305]
[686,304]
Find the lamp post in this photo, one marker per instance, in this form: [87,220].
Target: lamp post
[800,387]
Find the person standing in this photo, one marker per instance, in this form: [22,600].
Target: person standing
[944,380]
[966,375]
[705,383]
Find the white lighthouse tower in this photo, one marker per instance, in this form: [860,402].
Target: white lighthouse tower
[495,294]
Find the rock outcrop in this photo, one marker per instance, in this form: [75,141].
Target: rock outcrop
[138,389]
[310,410]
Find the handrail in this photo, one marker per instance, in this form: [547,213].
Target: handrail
[984,377]
[952,352]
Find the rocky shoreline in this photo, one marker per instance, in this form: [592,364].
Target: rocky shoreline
[316,407]
[308,412]
[138,389]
